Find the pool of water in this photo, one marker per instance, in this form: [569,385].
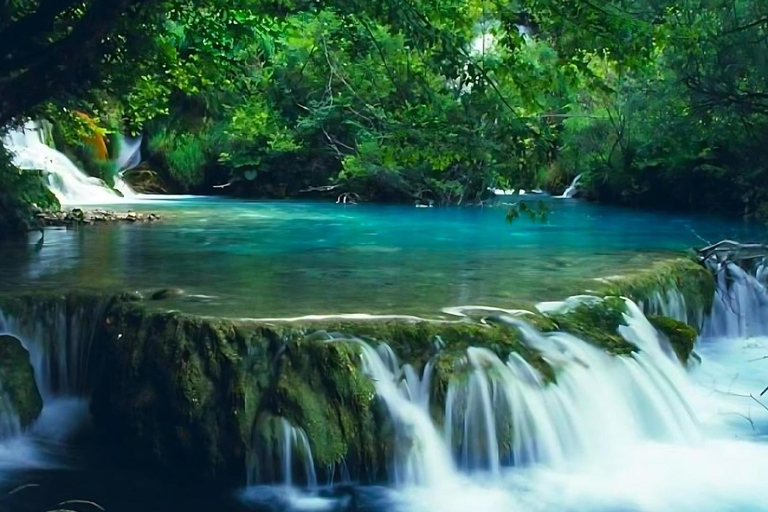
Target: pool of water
[266,259]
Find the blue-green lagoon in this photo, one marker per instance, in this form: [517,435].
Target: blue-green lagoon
[262,259]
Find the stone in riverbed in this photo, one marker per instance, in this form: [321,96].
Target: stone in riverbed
[17,380]
[167,293]
[80,217]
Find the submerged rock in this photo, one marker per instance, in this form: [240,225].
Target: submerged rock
[167,293]
[17,380]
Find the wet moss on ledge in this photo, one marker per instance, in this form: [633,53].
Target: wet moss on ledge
[597,323]
[196,395]
[681,336]
[684,276]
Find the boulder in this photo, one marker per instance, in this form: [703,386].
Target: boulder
[17,380]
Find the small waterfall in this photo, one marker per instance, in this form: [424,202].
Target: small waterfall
[10,424]
[69,184]
[671,303]
[571,190]
[421,456]
[128,158]
[58,336]
[504,414]
[282,454]
[295,442]
[740,307]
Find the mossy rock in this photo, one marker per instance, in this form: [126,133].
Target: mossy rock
[681,336]
[17,380]
[598,324]
[172,389]
[686,276]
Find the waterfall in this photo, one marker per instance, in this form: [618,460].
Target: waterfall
[672,304]
[421,456]
[10,425]
[740,307]
[506,415]
[128,158]
[571,190]
[500,414]
[295,444]
[58,336]
[69,184]
[281,454]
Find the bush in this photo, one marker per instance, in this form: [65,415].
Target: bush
[22,195]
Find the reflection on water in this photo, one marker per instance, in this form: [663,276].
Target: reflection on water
[260,259]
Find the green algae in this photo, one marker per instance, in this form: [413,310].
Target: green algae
[597,324]
[17,381]
[681,336]
[685,276]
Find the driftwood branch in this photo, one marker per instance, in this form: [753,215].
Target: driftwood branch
[324,188]
[730,251]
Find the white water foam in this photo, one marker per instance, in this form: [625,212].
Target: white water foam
[571,190]
[70,185]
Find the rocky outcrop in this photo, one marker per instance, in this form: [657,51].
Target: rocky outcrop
[17,381]
[681,289]
[205,398]
[80,217]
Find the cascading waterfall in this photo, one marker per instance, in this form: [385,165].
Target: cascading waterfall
[128,158]
[69,184]
[672,304]
[572,189]
[420,454]
[295,444]
[58,337]
[741,301]
[504,414]
[500,414]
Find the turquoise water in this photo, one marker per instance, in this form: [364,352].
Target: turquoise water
[267,259]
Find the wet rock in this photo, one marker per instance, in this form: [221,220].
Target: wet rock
[167,293]
[17,381]
[80,217]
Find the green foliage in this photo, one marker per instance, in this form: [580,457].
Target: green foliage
[658,102]
[22,195]
[183,154]
[534,213]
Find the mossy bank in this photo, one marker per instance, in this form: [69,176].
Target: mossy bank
[202,397]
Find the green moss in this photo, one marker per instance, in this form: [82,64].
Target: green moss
[417,342]
[171,388]
[17,380]
[694,282]
[185,392]
[597,324]
[321,389]
[681,336]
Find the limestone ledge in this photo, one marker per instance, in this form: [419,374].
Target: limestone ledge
[198,395]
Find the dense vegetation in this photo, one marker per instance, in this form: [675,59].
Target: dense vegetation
[659,103]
